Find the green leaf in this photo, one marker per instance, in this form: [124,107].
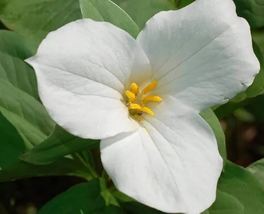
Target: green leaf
[106,10]
[35,18]
[142,10]
[257,169]
[19,101]
[16,72]
[25,113]
[59,144]
[82,198]
[11,145]
[11,168]
[122,197]
[242,185]
[107,195]
[62,167]
[13,50]
[252,10]
[15,45]
[225,204]
[214,123]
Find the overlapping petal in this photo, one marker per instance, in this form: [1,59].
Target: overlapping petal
[171,163]
[201,54]
[82,69]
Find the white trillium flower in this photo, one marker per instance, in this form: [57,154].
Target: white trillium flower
[142,97]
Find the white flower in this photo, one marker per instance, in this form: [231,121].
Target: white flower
[142,97]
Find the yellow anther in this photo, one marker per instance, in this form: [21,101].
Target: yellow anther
[137,99]
[134,87]
[134,106]
[150,87]
[151,98]
[147,110]
[130,95]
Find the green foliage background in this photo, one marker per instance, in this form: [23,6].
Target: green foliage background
[32,145]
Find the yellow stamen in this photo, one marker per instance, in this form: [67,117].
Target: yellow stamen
[134,106]
[151,98]
[130,95]
[147,110]
[134,87]
[150,87]
[137,99]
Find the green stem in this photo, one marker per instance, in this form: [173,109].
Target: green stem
[87,165]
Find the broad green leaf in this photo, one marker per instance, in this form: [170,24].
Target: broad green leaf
[62,167]
[225,204]
[25,113]
[16,72]
[242,185]
[106,10]
[142,10]
[35,18]
[15,45]
[252,10]
[59,144]
[13,50]
[19,101]
[82,198]
[257,169]
[11,144]
[11,168]
[214,123]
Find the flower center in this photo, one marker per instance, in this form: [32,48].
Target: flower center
[137,100]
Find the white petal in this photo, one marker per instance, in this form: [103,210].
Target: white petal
[171,163]
[201,54]
[82,69]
